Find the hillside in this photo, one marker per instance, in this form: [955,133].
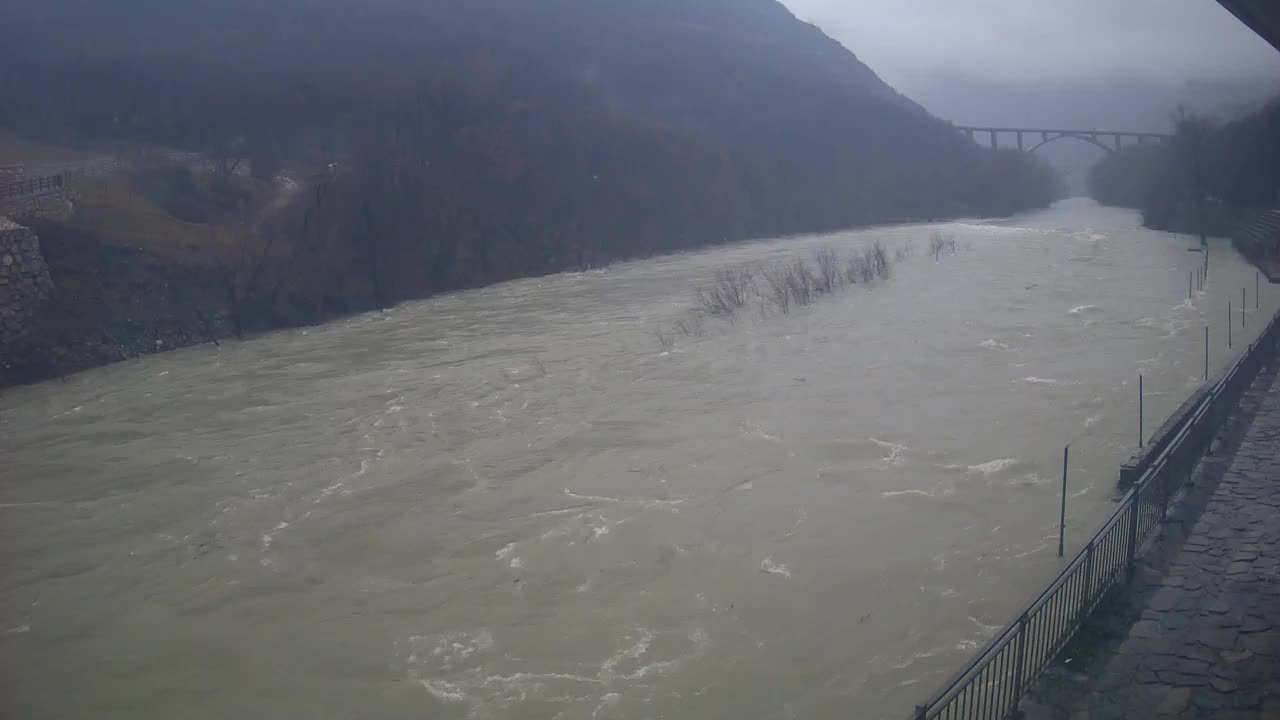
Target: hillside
[445,144]
[1231,164]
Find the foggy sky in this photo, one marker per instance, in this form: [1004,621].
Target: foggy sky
[1043,41]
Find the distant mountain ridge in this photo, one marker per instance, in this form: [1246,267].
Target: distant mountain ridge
[500,138]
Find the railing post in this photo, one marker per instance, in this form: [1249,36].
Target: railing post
[1141,400]
[1018,663]
[1088,582]
[1132,550]
[919,713]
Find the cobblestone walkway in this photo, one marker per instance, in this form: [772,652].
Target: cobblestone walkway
[1208,644]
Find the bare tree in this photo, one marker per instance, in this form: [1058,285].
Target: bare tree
[828,278]
[1191,132]
[936,244]
[732,289]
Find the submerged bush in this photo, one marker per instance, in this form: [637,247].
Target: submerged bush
[731,290]
[778,287]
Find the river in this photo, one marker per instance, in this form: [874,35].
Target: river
[517,502]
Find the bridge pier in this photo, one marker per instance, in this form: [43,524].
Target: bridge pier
[1118,139]
[1020,141]
[995,145]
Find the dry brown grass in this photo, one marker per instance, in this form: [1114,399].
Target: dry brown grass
[115,211]
[18,150]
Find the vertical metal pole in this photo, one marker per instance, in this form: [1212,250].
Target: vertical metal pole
[1132,550]
[1228,324]
[1087,595]
[1257,289]
[1141,399]
[1243,304]
[1190,285]
[1019,662]
[1206,353]
[1062,516]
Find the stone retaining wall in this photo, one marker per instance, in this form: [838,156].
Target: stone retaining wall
[24,281]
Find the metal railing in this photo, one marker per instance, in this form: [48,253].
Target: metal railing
[995,681]
[34,186]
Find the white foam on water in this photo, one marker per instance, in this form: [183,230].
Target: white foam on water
[894,456]
[329,491]
[450,649]
[986,630]
[993,344]
[751,429]
[607,701]
[942,489]
[504,551]
[633,652]
[913,659]
[1092,420]
[516,563]
[647,502]
[18,630]
[1082,309]
[769,566]
[444,691]
[899,493]
[991,467]
[1033,380]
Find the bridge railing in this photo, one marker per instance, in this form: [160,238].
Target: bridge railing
[33,186]
[992,684]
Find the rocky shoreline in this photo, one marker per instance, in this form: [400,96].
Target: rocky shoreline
[101,304]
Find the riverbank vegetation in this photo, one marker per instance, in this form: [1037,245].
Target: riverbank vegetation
[391,150]
[447,146]
[1231,165]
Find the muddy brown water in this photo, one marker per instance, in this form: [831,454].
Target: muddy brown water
[516,502]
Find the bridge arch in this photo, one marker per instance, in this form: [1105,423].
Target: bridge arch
[1109,140]
[1084,137]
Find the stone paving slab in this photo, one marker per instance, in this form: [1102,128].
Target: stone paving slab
[1208,643]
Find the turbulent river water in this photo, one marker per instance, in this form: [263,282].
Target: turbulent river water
[519,502]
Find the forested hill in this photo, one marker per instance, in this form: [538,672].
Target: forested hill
[1232,164]
[475,140]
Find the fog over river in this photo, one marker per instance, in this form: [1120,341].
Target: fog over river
[516,502]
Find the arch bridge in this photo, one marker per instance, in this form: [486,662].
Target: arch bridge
[1109,140]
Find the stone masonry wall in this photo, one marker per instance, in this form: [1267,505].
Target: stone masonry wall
[24,281]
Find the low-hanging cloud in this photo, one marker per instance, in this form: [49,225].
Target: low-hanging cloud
[1051,41]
